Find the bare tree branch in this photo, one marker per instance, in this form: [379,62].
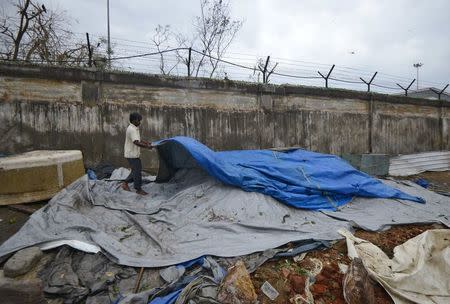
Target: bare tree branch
[161,39]
[40,34]
[215,30]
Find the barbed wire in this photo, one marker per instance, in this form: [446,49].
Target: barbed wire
[140,56]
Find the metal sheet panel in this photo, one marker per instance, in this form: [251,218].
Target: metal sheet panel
[404,165]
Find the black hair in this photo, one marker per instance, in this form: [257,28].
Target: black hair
[135,116]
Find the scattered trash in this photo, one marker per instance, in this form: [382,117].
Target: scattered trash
[343,268]
[411,275]
[236,287]
[357,286]
[299,257]
[138,281]
[422,182]
[269,291]
[172,274]
[91,174]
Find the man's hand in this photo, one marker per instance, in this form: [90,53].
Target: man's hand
[143,144]
[148,144]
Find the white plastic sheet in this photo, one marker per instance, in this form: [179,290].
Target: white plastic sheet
[418,272]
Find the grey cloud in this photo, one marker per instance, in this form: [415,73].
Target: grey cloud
[387,36]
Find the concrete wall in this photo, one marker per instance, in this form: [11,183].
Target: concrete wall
[66,108]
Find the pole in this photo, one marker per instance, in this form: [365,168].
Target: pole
[89,50]
[417,75]
[109,38]
[265,70]
[189,62]
[407,88]
[439,93]
[326,77]
[417,66]
[370,82]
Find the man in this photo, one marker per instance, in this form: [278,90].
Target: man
[132,151]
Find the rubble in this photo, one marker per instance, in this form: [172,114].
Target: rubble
[22,262]
[269,291]
[139,235]
[236,287]
[357,285]
[14,291]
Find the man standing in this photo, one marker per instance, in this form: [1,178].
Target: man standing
[132,151]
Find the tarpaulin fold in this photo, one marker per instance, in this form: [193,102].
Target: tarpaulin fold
[298,178]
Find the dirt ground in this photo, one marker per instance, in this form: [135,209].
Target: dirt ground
[288,277]
[439,181]
[12,220]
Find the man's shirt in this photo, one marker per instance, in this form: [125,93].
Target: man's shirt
[130,149]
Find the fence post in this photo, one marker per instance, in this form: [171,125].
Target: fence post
[89,50]
[326,77]
[189,62]
[442,145]
[265,70]
[439,93]
[370,82]
[406,89]
[371,110]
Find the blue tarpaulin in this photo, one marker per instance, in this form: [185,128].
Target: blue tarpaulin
[168,299]
[299,178]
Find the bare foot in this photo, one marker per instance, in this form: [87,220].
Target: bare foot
[125,187]
[141,192]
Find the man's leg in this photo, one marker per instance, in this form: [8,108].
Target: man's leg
[137,177]
[129,179]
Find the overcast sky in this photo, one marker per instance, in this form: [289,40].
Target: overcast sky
[383,35]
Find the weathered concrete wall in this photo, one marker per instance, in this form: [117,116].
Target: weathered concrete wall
[61,108]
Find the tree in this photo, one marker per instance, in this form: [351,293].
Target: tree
[216,30]
[266,68]
[213,32]
[28,11]
[40,34]
[161,38]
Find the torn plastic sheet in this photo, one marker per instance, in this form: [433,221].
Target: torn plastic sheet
[301,247]
[168,299]
[418,272]
[195,215]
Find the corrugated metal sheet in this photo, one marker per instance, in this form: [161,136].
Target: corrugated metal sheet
[410,164]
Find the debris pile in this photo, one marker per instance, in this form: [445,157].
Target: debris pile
[210,221]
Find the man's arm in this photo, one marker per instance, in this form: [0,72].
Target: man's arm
[143,144]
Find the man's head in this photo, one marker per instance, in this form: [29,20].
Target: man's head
[135,118]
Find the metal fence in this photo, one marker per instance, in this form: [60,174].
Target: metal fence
[144,57]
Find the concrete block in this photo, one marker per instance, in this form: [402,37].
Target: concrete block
[373,164]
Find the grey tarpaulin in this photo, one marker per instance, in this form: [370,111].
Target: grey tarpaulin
[195,215]
[380,214]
